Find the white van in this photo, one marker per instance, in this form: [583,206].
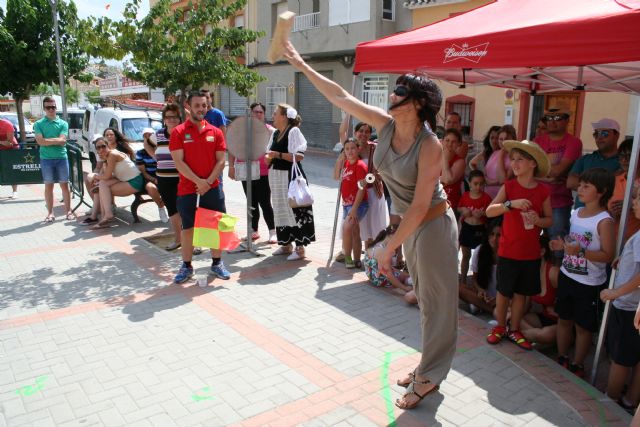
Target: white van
[130,122]
[75,119]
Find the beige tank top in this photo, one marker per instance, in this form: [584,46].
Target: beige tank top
[400,172]
[125,170]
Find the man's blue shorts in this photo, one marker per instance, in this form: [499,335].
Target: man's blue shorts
[54,170]
[212,199]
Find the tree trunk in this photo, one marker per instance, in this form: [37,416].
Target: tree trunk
[21,130]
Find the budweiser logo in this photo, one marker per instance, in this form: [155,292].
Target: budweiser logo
[470,53]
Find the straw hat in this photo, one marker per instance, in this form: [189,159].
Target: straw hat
[534,151]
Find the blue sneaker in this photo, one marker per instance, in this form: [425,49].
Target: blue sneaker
[185,273]
[220,271]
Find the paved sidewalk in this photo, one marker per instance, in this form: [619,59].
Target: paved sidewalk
[93,333]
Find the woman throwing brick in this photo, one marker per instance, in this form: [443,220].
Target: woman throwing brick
[409,159]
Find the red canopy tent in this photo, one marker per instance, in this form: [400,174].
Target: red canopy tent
[533,45]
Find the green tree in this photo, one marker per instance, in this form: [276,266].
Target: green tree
[27,47]
[174,50]
[93,95]
[72,95]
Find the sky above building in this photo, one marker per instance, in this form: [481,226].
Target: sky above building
[110,8]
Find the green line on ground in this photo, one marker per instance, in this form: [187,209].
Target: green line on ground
[462,350]
[591,392]
[384,380]
[198,398]
[29,390]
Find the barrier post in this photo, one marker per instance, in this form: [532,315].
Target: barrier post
[76,175]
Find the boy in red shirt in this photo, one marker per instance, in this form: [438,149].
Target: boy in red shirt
[354,202]
[526,206]
[473,219]
[8,142]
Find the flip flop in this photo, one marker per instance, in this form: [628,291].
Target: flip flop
[88,221]
[406,384]
[49,219]
[105,223]
[173,246]
[410,390]
[71,216]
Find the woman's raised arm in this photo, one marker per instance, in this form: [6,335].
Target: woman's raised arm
[336,95]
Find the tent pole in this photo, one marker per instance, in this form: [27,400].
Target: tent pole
[633,166]
[335,217]
[530,115]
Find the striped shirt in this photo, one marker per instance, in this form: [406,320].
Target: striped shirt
[166,166]
[144,159]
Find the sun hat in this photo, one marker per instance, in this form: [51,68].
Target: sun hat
[606,124]
[557,109]
[534,150]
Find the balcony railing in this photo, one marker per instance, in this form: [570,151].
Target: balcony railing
[306,22]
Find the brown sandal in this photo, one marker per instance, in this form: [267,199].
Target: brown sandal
[407,383]
[410,390]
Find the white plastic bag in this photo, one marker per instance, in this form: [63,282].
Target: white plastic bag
[299,194]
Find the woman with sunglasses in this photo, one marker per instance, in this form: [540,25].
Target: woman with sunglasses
[166,172]
[409,159]
[119,177]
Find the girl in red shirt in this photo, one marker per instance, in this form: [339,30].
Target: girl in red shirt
[453,167]
[354,201]
[526,209]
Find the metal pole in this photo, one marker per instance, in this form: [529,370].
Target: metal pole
[248,161]
[631,173]
[54,9]
[335,217]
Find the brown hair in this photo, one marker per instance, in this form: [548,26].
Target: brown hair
[172,106]
[282,108]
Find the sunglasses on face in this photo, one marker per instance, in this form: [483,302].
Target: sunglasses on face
[602,133]
[100,147]
[50,107]
[556,118]
[401,91]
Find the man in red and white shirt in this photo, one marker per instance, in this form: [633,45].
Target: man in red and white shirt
[8,142]
[198,150]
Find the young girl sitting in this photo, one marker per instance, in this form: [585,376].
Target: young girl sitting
[399,279]
[482,293]
[588,248]
[526,207]
[623,341]
[471,208]
[354,201]
[540,323]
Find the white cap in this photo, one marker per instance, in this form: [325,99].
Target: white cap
[148,130]
[606,124]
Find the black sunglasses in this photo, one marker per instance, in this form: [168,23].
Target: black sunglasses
[50,107]
[602,133]
[100,147]
[401,91]
[556,117]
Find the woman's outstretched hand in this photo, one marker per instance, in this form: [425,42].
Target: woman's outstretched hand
[291,54]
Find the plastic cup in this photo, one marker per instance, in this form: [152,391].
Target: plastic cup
[526,218]
[202,280]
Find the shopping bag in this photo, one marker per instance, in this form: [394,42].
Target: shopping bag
[241,170]
[299,194]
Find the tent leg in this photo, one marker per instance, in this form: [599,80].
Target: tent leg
[335,217]
[633,166]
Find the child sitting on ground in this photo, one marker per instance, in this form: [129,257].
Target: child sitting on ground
[354,202]
[482,293]
[623,341]
[472,207]
[588,248]
[540,323]
[399,279]
[526,208]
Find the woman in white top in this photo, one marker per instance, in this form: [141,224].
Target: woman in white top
[120,177]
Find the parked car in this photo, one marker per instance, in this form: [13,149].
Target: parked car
[28,127]
[130,122]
